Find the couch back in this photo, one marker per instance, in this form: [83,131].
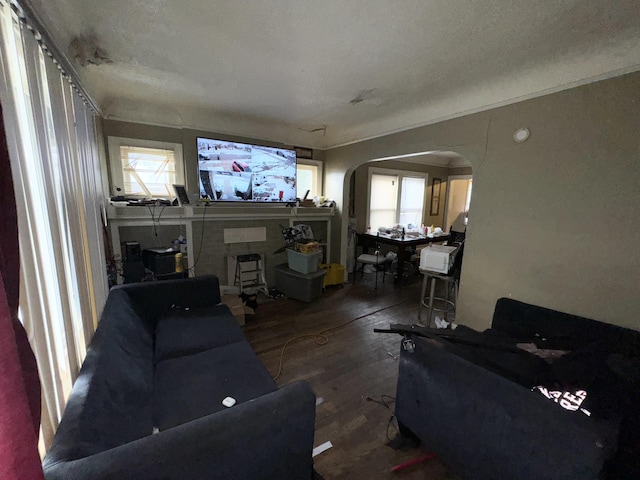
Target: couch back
[152,300]
[110,403]
[523,320]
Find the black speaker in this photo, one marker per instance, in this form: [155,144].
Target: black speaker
[131,251]
[133,271]
[132,264]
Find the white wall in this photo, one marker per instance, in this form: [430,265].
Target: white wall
[555,220]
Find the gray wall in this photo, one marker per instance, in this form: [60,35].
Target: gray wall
[553,221]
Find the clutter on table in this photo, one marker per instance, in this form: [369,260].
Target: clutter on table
[409,231]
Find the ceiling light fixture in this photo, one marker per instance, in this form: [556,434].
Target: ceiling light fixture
[521,135]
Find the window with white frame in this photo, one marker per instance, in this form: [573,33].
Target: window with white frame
[308,177]
[144,168]
[395,197]
[411,200]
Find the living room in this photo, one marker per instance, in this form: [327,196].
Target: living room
[553,220]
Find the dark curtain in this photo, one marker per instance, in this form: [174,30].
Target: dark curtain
[19,381]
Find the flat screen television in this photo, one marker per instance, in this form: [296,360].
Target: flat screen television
[239,172]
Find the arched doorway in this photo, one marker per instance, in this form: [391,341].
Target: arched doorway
[434,167]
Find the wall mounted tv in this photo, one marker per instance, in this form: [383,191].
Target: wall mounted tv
[239,172]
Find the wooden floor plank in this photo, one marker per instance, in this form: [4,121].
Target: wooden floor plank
[350,373]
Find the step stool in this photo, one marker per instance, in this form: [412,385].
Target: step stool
[257,280]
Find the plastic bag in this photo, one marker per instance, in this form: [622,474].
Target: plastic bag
[297,233]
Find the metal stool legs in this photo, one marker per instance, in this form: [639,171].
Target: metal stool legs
[449,305]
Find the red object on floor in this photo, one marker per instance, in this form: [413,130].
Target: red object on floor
[415,461]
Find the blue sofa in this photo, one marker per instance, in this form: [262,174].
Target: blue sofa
[147,403]
[471,396]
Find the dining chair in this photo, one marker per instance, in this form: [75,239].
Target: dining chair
[376,260]
[456,238]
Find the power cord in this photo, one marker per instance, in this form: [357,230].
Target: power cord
[381,401]
[321,339]
[197,259]
[155,222]
[386,405]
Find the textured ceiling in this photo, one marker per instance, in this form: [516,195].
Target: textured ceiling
[326,73]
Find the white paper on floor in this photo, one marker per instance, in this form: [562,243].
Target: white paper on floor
[321,448]
[441,322]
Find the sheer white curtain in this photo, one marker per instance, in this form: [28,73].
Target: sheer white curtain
[383,199]
[56,174]
[411,201]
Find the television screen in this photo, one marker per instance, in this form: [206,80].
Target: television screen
[239,172]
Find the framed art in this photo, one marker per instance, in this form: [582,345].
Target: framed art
[435,196]
[181,194]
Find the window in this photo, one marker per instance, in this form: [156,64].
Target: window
[51,135]
[141,168]
[309,177]
[383,200]
[411,201]
[395,198]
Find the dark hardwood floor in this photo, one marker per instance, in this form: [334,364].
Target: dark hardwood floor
[353,375]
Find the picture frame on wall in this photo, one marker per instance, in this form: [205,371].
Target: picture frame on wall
[435,196]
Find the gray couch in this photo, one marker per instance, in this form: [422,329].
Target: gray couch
[468,397]
[147,401]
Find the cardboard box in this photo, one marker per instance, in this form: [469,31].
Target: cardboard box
[238,309]
[308,247]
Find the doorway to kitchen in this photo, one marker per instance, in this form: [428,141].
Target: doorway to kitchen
[458,202]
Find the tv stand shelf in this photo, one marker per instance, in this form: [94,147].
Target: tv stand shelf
[203,227]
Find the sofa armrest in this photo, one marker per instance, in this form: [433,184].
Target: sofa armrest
[268,437]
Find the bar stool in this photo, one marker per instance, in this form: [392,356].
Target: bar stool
[446,304]
[451,280]
[257,280]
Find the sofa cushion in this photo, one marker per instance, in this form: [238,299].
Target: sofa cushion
[190,387]
[185,332]
[601,369]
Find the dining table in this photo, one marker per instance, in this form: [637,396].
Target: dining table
[399,241]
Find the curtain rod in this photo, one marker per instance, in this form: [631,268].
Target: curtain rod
[29,17]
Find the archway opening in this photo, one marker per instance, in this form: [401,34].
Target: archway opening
[404,201]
